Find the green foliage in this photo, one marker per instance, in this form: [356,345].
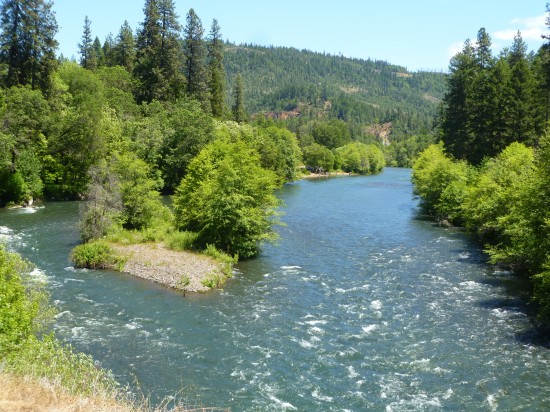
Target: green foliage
[75,372]
[403,153]
[227,198]
[189,130]
[318,158]
[181,240]
[360,92]
[28,43]
[497,186]
[225,259]
[332,134]
[440,182]
[361,158]
[213,281]
[95,255]
[490,102]
[13,189]
[506,201]
[20,302]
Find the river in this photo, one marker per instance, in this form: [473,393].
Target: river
[360,306]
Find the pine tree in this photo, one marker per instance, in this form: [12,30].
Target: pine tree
[108,51]
[98,52]
[484,56]
[148,42]
[158,56]
[239,113]
[88,58]
[522,90]
[216,72]
[195,60]
[27,42]
[124,51]
[457,113]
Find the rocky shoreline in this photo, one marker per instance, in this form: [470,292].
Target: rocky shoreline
[180,270]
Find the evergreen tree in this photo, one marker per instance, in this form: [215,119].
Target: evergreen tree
[195,59]
[239,113]
[216,71]
[108,51]
[158,56]
[98,52]
[88,58]
[124,52]
[522,90]
[146,69]
[484,56]
[457,112]
[27,42]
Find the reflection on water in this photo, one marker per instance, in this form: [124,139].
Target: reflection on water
[358,307]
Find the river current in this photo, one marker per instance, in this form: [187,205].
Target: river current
[360,306]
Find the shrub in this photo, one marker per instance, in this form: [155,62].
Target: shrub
[227,260]
[20,302]
[181,240]
[95,255]
[213,280]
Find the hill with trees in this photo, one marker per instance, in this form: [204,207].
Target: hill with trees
[301,86]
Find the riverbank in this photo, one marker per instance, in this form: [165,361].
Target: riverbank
[180,270]
[328,174]
[22,394]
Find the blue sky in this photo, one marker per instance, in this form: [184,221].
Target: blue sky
[420,35]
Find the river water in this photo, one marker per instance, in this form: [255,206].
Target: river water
[360,306]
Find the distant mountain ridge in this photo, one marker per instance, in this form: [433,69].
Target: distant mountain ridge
[300,85]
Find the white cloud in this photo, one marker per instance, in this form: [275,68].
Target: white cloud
[455,48]
[531,28]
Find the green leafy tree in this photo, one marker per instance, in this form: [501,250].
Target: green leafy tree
[318,158]
[216,71]
[332,134]
[497,186]
[25,119]
[190,129]
[361,158]
[227,198]
[441,183]
[27,43]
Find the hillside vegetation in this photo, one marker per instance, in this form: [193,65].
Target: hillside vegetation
[297,86]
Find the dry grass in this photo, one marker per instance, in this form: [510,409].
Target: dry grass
[18,394]
[26,395]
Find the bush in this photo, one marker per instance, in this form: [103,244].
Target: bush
[95,255]
[222,257]
[441,183]
[20,302]
[181,240]
[213,281]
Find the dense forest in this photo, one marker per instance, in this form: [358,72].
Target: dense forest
[491,168]
[378,102]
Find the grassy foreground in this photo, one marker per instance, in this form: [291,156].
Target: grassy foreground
[40,373]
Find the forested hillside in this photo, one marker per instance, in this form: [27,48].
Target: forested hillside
[299,85]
